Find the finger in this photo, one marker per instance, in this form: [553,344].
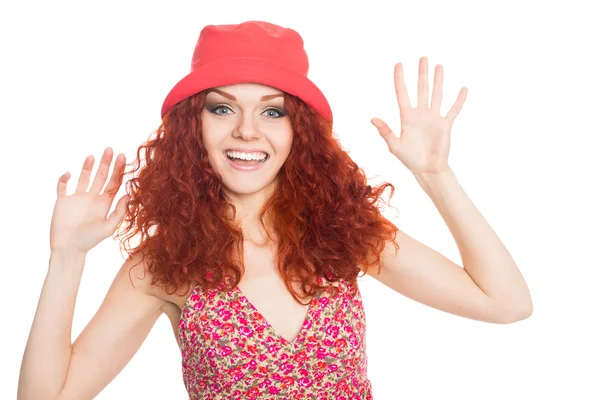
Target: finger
[84,177]
[117,215]
[61,188]
[423,101]
[386,133]
[457,106]
[438,84]
[117,177]
[401,92]
[102,173]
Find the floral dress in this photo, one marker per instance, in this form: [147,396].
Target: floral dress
[230,351]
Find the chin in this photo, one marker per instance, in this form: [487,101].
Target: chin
[247,188]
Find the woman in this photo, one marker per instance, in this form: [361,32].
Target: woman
[254,226]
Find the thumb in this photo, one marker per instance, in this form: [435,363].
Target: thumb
[118,213]
[387,134]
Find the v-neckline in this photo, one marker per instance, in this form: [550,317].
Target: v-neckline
[268,324]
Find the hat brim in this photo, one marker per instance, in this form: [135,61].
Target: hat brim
[248,69]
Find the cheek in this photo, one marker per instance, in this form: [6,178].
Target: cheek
[283,142]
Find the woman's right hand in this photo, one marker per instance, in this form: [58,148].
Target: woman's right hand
[79,221]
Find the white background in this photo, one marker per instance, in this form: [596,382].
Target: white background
[77,77]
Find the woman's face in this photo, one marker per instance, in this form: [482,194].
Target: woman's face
[249,117]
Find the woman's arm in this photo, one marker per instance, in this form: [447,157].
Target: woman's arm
[52,367]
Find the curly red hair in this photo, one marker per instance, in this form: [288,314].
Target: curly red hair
[324,214]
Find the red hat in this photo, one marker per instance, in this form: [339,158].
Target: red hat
[253,51]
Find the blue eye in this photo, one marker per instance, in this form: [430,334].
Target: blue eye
[281,114]
[215,109]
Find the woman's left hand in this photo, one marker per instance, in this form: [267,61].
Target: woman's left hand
[424,142]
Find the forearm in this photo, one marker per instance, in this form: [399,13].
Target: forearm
[48,350]
[484,257]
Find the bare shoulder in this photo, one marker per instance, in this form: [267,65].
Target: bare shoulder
[142,278]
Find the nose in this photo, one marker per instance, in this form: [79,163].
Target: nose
[246,128]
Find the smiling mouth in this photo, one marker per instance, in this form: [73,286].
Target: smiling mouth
[239,161]
[247,162]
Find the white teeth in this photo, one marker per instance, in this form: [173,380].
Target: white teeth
[247,156]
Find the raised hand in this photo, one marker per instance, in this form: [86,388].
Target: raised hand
[424,142]
[79,221]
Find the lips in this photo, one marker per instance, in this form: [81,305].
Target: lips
[250,150]
[247,167]
[227,157]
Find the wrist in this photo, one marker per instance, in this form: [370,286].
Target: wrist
[67,256]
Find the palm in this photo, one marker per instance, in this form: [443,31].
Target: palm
[80,220]
[82,214]
[423,145]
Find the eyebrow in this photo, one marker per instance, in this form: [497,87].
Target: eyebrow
[233,98]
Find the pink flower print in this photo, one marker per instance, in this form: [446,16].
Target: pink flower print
[260,329]
[327,342]
[266,382]
[353,340]
[242,320]
[323,301]
[333,330]
[287,380]
[210,353]
[321,352]
[273,390]
[224,313]
[287,367]
[306,382]
[216,388]
[262,357]
[348,329]
[228,327]
[303,372]
[301,357]
[215,322]
[244,330]
[333,368]
[225,351]
[256,315]
[276,376]
[269,339]
[307,324]
[192,326]
[273,348]
[195,297]
[198,306]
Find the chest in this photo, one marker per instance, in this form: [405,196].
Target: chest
[264,291]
